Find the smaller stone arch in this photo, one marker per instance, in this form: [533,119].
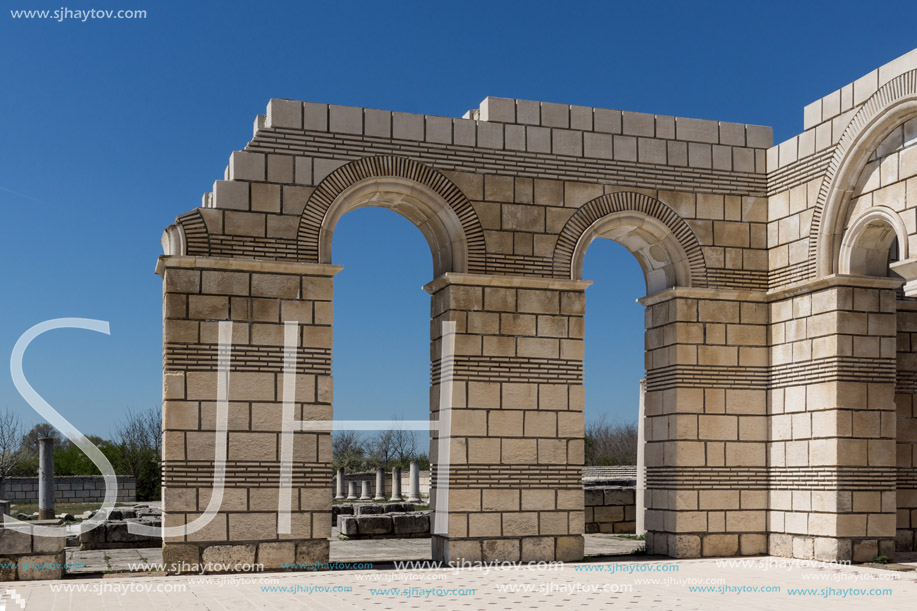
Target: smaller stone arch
[422,195]
[188,235]
[663,243]
[865,246]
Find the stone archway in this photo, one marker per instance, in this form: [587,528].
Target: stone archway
[893,104]
[664,245]
[421,194]
[864,250]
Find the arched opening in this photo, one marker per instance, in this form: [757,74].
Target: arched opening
[661,257]
[614,368]
[419,204]
[381,351]
[873,241]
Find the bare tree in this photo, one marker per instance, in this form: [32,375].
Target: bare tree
[347,449]
[611,444]
[138,435]
[381,449]
[11,449]
[404,443]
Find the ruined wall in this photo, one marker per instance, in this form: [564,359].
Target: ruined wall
[771,339]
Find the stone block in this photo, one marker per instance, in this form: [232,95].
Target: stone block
[312,551]
[411,524]
[500,550]
[720,545]
[14,542]
[865,550]
[275,554]
[220,558]
[569,548]
[537,549]
[41,567]
[374,525]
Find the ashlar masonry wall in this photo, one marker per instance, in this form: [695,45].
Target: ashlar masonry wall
[779,411]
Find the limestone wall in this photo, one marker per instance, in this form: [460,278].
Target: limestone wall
[610,510]
[780,282]
[69,489]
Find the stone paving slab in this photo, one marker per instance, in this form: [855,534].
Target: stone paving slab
[570,587]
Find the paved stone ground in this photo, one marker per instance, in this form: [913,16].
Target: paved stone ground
[571,587]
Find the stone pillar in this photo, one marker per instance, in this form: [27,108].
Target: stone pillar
[351,490]
[339,481]
[906,427]
[516,418]
[640,504]
[833,421]
[365,494]
[46,478]
[706,423]
[396,485]
[380,485]
[414,490]
[4,509]
[258,298]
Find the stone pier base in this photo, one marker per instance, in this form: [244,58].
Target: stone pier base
[567,548]
[242,557]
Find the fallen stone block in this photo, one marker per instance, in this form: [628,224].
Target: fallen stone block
[374,525]
[411,523]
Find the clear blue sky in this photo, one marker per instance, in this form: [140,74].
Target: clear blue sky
[111,128]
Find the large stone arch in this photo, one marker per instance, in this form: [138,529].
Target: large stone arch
[663,243]
[894,103]
[424,196]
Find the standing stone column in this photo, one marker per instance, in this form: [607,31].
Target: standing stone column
[640,501]
[396,485]
[46,478]
[414,490]
[259,298]
[351,490]
[340,484]
[380,485]
[365,494]
[833,421]
[515,418]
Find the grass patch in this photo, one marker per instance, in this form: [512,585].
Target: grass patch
[632,537]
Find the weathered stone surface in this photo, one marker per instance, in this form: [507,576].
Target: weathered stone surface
[276,554]
[500,550]
[40,567]
[374,525]
[411,523]
[569,548]
[8,568]
[14,542]
[219,558]
[312,551]
[348,525]
[181,557]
